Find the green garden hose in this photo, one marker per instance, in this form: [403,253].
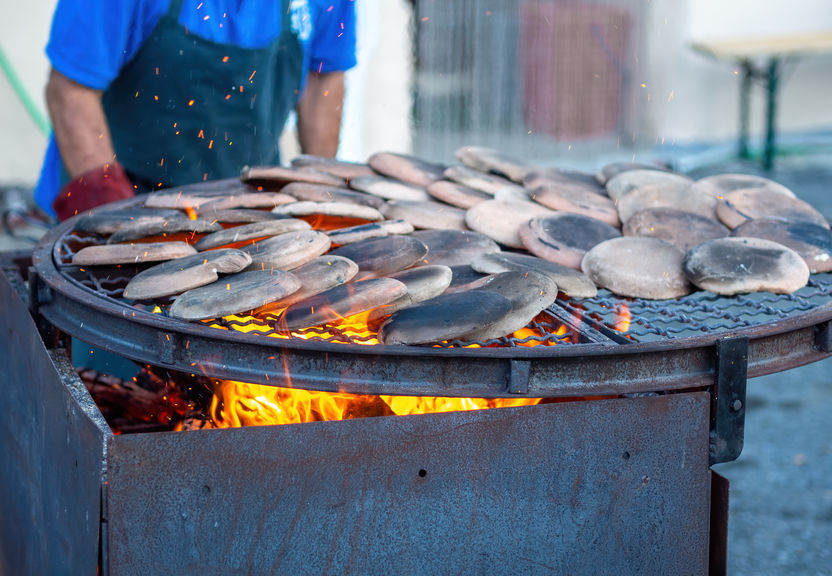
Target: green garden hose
[14,80]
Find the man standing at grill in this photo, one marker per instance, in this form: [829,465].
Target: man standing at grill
[146,94]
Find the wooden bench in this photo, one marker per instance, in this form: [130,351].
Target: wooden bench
[761,58]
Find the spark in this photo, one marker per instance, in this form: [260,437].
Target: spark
[190,102]
[252,75]
[225,58]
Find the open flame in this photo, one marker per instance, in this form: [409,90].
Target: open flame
[623,317]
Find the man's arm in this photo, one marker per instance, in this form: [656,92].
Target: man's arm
[319,114]
[79,124]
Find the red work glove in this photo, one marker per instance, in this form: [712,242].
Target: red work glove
[94,188]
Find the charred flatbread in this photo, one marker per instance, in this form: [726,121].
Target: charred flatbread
[571,282]
[487,183]
[613,169]
[454,247]
[388,188]
[491,161]
[657,196]
[564,238]
[342,209]
[456,194]
[248,200]
[577,201]
[722,184]
[338,168]
[145,229]
[624,182]
[812,242]
[406,168]
[684,229]
[423,283]
[287,251]
[271,177]
[317,193]
[383,256]
[501,221]
[251,232]
[426,215]
[131,253]
[343,236]
[734,208]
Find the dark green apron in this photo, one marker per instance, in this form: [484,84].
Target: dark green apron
[185,109]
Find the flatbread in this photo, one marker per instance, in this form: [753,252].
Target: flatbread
[454,247]
[107,222]
[529,293]
[251,232]
[287,251]
[341,302]
[236,294]
[278,176]
[812,242]
[176,276]
[624,182]
[237,216]
[571,282]
[388,189]
[577,201]
[426,215]
[463,278]
[423,283]
[722,184]
[564,180]
[131,253]
[456,194]
[491,161]
[658,196]
[317,193]
[316,276]
[406,168]
[383,256]
[343,236]
[564,238]
[638,267]
[683,229]
[341,209]
[195,195]
[145,229]
[611,170]
[487,183]
[736,207]
[740,265]
[446,317]
[338,168]
[501,221]
[248,200]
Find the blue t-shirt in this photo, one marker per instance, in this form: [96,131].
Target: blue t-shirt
[92,40]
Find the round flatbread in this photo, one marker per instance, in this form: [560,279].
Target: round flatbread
[176,276]
[657,196]
[487,183]
[287,251]
[270,177]
[406,168]
[721,184]
[571,282]
[341,302]
[139,229]
[251,232]
[812,242]
[569,181]
[426,215]
[236,294]
[463,278]
[445,317]
[624,182]
[383,256]
[501,221]
[131,253]
[343,236]
[423,283]
[338,168]
[683,229]
[194,195]
[107,222]
[613,169]
[638,267]
[454,247]
[456,194]
[248,200]
[564,238]
[316,276]
[734,208]
[491,161]
[577,201]
[317,193]
[388,189]
[238,216]
[340,209]
[740,265]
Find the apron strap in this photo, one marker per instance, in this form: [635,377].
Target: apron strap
[174,9]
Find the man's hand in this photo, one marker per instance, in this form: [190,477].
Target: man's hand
[319,114]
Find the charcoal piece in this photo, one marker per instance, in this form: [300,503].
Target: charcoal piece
[619,185]
[454,247]
[388,188]
[406,168]
[577,201]
[426,215]
[251,232]
[571,282]
[176,276]
[638,267]
[658,196]
[142,229]
[423,283]
[131,253]
[445,317]
[248,200]
[487,183]
[456,194]
[338,168]
[491,161]
[501,220]
[722,184]
[684,229]
[235,294]
[318,193]
[270,177]
[341,209]
[812,242]
[740,265]
[107,222]
[344,236]
[609,171]
[340,302]
[383,256]
[529,293]
[564,238]
[736,207]
[287,251]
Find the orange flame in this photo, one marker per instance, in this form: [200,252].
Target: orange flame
[622,318]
